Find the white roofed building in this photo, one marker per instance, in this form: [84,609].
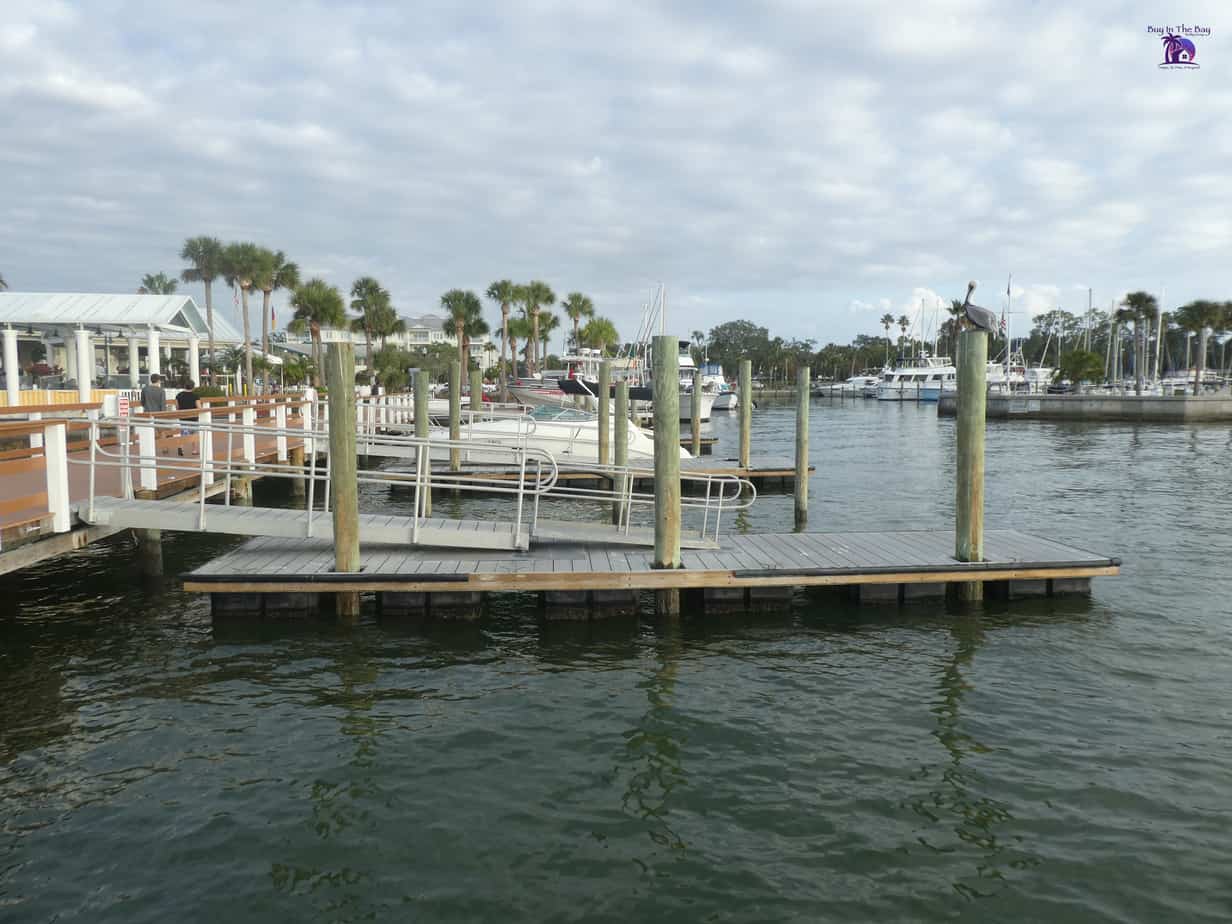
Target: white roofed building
[66,339]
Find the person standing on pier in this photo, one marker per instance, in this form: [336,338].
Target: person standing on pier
[153,398]
[186,400]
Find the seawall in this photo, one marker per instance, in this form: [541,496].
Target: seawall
[1153,408]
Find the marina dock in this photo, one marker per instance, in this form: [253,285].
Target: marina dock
[1129,407]
[277,576]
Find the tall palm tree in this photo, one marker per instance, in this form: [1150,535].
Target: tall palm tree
[518,329]
[903,323]
[1124,316]
[548,323]
[369,298]
[3,285]
[157,284]
[464,320]
[505,293]
[578,306]
[887,321]
[317,304]
[536,294]
[699,346]
[599,333]
[1142,307]
[277,273]
[1202,317]
[243,264]
[205,255]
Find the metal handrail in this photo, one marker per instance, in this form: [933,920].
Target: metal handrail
[423,479]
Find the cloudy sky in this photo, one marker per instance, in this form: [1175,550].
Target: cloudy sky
[806,165]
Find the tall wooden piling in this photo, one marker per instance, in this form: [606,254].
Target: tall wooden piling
[696,416]
[476,402]
[667,463]
[602,406]
[455,414]
[745,397]
[802,445]
[343,464]
[969,499]
[620,444]
[422,392]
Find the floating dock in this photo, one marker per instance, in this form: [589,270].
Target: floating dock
[283,576]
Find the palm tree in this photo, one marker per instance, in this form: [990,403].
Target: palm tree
[535,295]
[157,284]
[3,285]
[1142,307]
[548,323]
[243,265]
[1202,317]
[317,304]
[578,306]
[887,321]
[505,293]
[699,346]
[277,273]
[600,332]
[518,329]
[903,323]
[465,320]
[1124,316]
[370,299]
[205,255]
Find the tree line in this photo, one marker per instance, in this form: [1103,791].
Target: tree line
[317,305]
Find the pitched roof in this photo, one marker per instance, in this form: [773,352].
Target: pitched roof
[174,313]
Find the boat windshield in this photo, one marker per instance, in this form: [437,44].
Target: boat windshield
[543,412]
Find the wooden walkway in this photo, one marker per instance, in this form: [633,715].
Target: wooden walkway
[901,562]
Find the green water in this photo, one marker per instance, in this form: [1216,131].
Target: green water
[1064,760]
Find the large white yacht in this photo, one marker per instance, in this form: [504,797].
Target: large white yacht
[921,378]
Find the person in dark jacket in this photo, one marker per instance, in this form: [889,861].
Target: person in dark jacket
[186,400]
[153,398]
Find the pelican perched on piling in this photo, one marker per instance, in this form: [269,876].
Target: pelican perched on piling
[977,317]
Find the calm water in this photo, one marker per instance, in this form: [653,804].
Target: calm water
[1054,760]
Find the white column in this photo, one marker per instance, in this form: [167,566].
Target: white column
[55,454]
[280,421]
[85,364]
[206,443]
[134,361]
[70,358]
[307,415]
[149,457]
[248,417]
[12,374]
[155,358]
[194,358]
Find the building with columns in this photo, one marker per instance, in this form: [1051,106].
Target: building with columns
[83,340]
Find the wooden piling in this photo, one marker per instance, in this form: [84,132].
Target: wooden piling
[476,402]
[802,445]
[299,486]
[696,417]
[343,483]
[602,406]
[667,463]
[620,445]
[969,499]
[455,414]
[745,397]
[422,391]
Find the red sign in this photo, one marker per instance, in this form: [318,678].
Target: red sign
[122,406]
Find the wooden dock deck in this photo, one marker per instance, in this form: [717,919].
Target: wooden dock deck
[886,567]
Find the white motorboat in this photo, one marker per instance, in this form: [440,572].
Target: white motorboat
[920,379]
[854,387]
[571,436]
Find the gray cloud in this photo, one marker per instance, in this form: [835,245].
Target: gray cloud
[788,162]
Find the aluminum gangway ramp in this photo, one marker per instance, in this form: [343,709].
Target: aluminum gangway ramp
[294,524]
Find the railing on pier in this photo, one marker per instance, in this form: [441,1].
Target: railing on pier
[49,456]
[218,462]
